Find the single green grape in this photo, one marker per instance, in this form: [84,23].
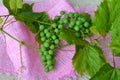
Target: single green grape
[49,62]
[70,26]
[43,48]
[48,57]
[51,52]
[70,14]
[51,67]
[57,18]
[54,25]
[46,69]
[60,26]
[61,22]
[65,21]
[62,12]
[41,27]
[83,19]
[45,53]
[78,23]
[42,34]
[46,31]
[72,23]
[43,39]
[46,44]
[56,30]
[66,16]
[76,14]
[81,26]
[54,37]
[76,28]
[41,53]
[44,64]
[48,35]
[43,58]
[86,31]
[52,47]
[86,24]
[56,41]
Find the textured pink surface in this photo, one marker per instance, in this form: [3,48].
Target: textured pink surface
[10,55]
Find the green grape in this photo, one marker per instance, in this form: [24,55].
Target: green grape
[48,35]
[41,27]
[56,41]
[82,29]
[72,23]
[52,47]
[42,34]
[65,21]
[51,52]
[43,58]
[60,22]
[66,16]
[43,38]
[54,37]
[49,62]
[46,44]
[86,24]
[81,26]
[44,64]
[57,18]
[45,53]
[43,48]
[48,57]
[46,69]
[40,53]
[76,14]
[70,26]
[87,31]
[62,12]
[51,67]
[56,30]
[82,19]
[54,25]
[76,28]
[78,22]
[60,26]
[70,14]
[46,31]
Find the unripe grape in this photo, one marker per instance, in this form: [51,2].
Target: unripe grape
[48,35]
[72,23]
[41,27]
[86,30]
[83,19]
[51,52]
[51,67]
[57,18]
[54,25]
[52,47]
[56,30]
[66,16]
[49,62]
[76,14]
[42,34]
[62,12]
[54,37]
[70,14]
[40,53]
[43,58]
[86,24]
[46,69]
[48,57]
[45,53]
[43,39]
[44,64]
[56,41]
[78,22]
[46,44]
[65,21]
[46,31]
[60,26]
[76,28]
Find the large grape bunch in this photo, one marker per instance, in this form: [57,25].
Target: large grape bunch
[49,35]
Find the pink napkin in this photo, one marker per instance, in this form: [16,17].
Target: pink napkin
[33,69]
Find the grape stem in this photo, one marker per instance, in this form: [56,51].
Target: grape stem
[20,42]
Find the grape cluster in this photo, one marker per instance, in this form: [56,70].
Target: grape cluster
[49,35]
[49,40]
[76,22]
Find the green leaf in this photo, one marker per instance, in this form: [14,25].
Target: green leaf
[106,14]
[115,37]
[1,20]
[107,73]
[13,5]
[68,35]
[88,59]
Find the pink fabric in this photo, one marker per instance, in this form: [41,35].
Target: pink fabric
[33,70]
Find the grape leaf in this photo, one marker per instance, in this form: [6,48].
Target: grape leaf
[106,14]
[88,59]
[13,5]
[115,37]
[68,35]
[107,73]
[1,20]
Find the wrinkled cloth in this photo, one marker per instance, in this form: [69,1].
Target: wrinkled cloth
[10,61]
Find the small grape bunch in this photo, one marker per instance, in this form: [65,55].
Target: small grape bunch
[79,23]
[49,40]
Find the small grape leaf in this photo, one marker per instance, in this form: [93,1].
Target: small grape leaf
[68,35]
[115,37]
[88,59]
[1,20]
[13,5]
[107,73]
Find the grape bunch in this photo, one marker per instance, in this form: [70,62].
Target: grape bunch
[77,22]
[49,35]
